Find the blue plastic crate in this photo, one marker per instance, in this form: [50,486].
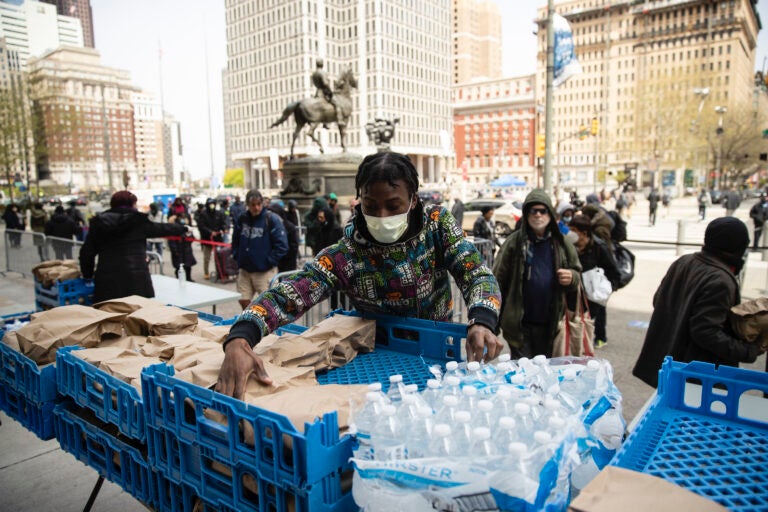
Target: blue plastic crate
[173,497]
[192,471]
[290,328]
[92,443]
[112,400]
[64,293]
[23,375]
[706,442]
[208,317]
[35,417]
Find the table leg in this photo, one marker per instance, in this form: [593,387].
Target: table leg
[94,494]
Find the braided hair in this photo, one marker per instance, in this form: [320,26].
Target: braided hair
[386,166]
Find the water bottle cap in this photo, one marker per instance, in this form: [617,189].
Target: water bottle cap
[516,448]
[451,366]
[551,404]
[395,378]
[481,433]
[409,399]
[411,388]
[507,422]
[469,391]
[569,373]
[451,400]
[441,430]
[452,381]
[522,408]
[523,361]
[593,364]
[372,396]
[374,386]
[505,358]
[504,393]
[389,410]
[485,405]
[433,384]
[540,359]
[554,389]
[542,437]
[518,379]
[424,412]
[473,366]
[532,401]
[462,416]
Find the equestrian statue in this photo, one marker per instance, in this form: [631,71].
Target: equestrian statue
[324,107]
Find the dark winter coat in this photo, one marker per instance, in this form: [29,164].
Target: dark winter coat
[259,244]
[597,254]
[327,233]
[13,220]
[759,213]
[181,250]
[38,219]
[61,225]
[119,237]
[690,317]
[209,222]
[731,200]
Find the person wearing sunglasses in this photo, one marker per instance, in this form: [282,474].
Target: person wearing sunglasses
[534,267]
[393,258]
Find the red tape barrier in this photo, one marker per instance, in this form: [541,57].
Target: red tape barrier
[191,239]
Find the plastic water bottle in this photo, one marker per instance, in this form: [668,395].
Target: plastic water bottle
[525,425]
[462,432]
[481,443]
[447,410]
[504,358]
[515,478]
[547,375]
[386,437]
[432,393]
[505,433]
[569,392]
[469,398]
[364,422]
[452,370]
[502,401]
[484,415]
[452,386]
[442,443]
[395,393]
[182,276]
[593,378]
[419,434]
[534,403]
[408,407]
[375,387]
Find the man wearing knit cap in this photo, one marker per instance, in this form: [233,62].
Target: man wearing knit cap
[690,307]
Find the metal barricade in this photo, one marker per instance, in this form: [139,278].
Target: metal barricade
[23,251]
[486,248]
[316,313]
[155,262]
[62,248]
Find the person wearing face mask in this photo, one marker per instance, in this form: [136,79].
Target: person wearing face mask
[212,225]
[394,258]
[535,265]
[690,308]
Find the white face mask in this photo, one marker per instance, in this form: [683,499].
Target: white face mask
[387,229]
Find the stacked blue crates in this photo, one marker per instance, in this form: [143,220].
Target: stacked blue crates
[64,293]
[27,392]
[210,462]
[711,439]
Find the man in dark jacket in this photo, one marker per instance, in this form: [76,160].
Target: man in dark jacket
[211,224]
[258,243]
[119,237]
[38,217]
[290,260]
[759,214]
[77,217]
[731,201]
[62,229]
[690,307]
[534,267]
[653,205]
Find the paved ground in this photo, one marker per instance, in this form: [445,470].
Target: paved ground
[38,476]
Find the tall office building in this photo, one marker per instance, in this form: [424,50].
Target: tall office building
[148,128]
[399,51]
[476,40]
[87,114]
[33,28]
[657,75]
[80,9]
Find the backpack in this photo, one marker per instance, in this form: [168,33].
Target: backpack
[619,230]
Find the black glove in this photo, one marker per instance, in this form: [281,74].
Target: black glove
[753,350]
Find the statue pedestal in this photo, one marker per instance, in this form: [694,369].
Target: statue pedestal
[312,176]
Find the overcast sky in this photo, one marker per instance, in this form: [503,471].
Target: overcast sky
[129,34]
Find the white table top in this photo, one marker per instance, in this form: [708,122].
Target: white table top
[168,290]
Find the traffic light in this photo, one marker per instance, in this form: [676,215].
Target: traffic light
[595,126]
[582,132]
[541,145]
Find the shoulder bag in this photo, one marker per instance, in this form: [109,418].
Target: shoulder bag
[576,330]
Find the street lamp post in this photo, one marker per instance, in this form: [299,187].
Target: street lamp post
[703,92]
[719,167]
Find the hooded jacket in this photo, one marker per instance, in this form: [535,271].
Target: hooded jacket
[38,219]
[407,278]
[510,271]
[690,317]
[260,242]
[119,237]
[61,225]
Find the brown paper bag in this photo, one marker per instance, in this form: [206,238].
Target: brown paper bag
[217,333]
[165,346]
[127,367]
[63,326]
[294,350]
[159,320]
[749,320]
[188,356]
[38,269]
[629,491]
[347,336]
[98,354]
[127,305]
[127,342]
[49,271]
[12,341]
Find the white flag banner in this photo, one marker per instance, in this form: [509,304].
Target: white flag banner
[566,64]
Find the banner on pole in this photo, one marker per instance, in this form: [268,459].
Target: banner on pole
[566,64]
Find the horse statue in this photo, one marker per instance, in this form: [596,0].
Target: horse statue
[315,111]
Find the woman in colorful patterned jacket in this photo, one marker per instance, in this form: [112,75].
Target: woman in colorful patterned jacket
[393,259]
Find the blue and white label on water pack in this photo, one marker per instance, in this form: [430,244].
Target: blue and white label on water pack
[421,473]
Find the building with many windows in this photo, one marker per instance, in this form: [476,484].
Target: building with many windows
[476,40]
[659,78]
[399,52]
[80,9]
[150,149]
[494,124]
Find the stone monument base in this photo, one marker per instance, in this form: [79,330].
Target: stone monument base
[312,176]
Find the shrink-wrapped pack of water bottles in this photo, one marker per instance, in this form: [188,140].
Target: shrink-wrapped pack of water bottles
[518,435]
